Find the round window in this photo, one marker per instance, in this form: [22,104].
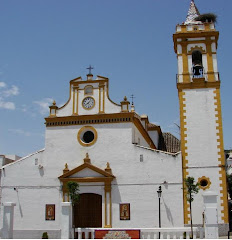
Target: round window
[87,136]
[204,182]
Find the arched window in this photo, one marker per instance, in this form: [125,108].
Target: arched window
[197,64]
[197,58]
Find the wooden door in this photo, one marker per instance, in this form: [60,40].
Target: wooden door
[88,211]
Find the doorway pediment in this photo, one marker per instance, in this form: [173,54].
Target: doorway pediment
[87,172]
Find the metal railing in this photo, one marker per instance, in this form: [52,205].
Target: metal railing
[194,76]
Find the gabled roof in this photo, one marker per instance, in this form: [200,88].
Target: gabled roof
[192,14]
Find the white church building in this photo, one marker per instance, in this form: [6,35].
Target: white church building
[120,159]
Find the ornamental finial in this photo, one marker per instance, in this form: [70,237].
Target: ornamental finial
[87,159]
[65,168]
[108,169]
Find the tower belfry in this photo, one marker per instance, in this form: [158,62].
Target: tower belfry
[198,84]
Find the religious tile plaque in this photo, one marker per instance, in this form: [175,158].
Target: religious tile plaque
[50,212]
[124,211]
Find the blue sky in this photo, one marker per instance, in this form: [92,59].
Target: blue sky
[45,44]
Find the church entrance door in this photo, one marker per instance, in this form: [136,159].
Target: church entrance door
[88,211]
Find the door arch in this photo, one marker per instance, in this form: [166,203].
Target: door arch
[88,211]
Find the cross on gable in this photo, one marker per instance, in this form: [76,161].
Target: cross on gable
[90,68]
[132,97]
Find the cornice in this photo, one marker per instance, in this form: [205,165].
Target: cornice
[200,84]
[101,119]
[185,35]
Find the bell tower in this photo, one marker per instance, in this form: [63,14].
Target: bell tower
[198,84]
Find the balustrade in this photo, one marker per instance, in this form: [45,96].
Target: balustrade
[147,233]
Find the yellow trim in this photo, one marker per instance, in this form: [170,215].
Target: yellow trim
[77,100]
[70,93]
[108,214]
[102,119]
[73,100]
[185,62]
[209,60]
[107,92]
[192,34]
[92,106]
[101,98]
[82,131]
[183,133]
[198,83]
[90,82]
[110,209]
[199,48]
[105,209]
[221,159]
[205,179]
[103,92]
[99,92]
[107,179]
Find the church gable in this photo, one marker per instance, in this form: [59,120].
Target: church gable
[87,97]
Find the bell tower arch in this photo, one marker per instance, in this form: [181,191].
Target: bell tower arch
[198,84]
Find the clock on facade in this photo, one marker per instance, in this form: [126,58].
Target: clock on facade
[88,103]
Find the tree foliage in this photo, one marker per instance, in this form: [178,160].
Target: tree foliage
[73,190]
[191,188]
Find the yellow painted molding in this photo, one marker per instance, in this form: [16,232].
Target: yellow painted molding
[221,159]
[199,48]
[204,178]
[82,131]
[193,34]
[185,173]
[198,84]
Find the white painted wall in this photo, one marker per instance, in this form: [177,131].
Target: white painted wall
[202,146]
[136,182]
[154,135]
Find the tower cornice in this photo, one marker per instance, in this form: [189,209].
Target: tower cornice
[182,37]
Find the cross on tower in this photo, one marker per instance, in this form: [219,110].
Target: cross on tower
[132,97]
[90,68]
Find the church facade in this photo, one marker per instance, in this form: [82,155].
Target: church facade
[120,159]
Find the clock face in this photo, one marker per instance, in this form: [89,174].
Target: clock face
[88,102]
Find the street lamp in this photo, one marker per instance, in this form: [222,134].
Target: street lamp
[159,196]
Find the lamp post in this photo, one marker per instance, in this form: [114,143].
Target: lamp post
[159,196]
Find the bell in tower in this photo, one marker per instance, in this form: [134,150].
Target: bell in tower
[197,69]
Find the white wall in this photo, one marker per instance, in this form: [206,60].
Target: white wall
[202,146]
[136,182]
